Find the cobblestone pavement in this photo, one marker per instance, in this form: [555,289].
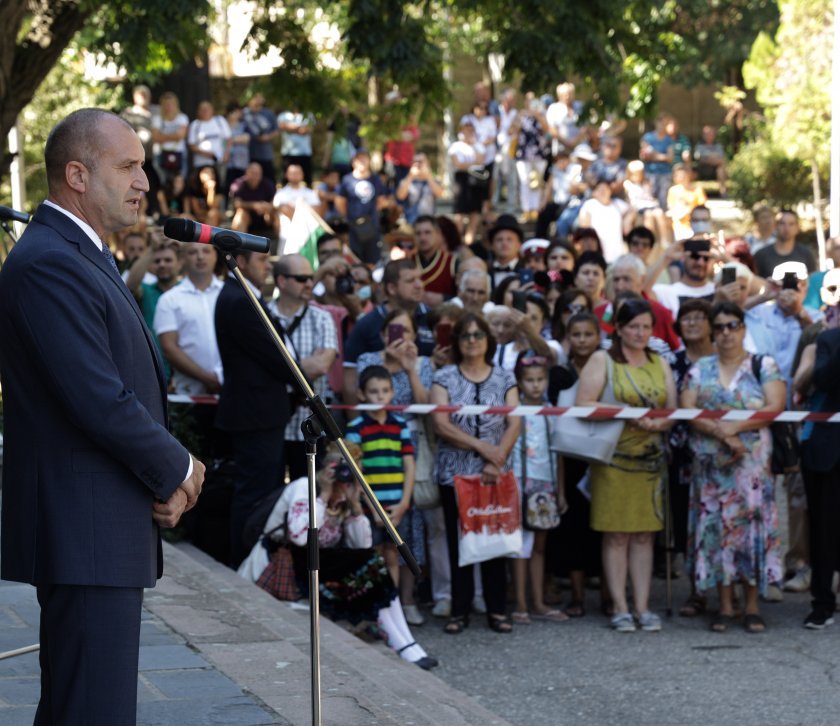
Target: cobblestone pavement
[176,685]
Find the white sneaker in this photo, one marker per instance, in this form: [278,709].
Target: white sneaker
[800,582]
[623,623]
[413,616]
[650,622]
[774,594]
[442,608]
[479,606]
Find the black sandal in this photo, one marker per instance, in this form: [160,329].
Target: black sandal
[456,626]
[754,623]
[721,622]
[500,623]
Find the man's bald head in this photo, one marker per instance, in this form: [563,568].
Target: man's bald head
[75,138]
[292,264]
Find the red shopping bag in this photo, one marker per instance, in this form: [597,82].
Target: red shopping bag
[490,518]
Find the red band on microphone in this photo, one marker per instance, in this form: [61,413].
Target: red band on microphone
[206,234]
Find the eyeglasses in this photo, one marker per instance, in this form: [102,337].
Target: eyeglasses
[405,244]
[698,256]
[575,307]
[536,360]
[475,335]
[693,320]
[302,279]
[731,326]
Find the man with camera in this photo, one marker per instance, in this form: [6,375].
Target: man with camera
[311,337]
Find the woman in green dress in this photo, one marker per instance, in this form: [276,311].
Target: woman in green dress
[627,493]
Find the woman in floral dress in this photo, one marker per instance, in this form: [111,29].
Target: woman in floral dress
[733,521]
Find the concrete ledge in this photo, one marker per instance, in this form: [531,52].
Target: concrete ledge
[263,645]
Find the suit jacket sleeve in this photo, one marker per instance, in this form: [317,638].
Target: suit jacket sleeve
[65,321]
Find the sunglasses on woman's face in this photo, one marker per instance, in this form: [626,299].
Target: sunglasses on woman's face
[475,335]
[731,326]
[575,307]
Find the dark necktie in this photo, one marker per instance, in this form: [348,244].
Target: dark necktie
[106,253]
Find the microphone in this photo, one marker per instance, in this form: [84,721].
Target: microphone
[186,230]
[7,213]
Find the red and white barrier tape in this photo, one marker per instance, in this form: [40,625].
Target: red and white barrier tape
[594,412]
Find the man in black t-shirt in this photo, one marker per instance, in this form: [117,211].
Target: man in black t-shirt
[785,248]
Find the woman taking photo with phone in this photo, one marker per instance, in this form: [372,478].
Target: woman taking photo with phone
[354,582]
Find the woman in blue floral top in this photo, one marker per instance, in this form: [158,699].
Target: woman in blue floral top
[733,521]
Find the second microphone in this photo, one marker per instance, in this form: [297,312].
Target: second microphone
[186,230]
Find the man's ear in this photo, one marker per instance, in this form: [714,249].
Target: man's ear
[76,176]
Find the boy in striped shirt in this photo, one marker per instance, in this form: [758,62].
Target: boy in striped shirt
[387,457]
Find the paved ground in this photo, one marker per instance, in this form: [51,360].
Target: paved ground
[217,651]
[581,672]
[176,685]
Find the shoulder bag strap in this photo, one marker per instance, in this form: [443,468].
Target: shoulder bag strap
[756,367]
[645,400]
[552,464]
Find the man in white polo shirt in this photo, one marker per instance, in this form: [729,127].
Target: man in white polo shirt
[184,324]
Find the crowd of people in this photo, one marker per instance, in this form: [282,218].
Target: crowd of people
[625,295]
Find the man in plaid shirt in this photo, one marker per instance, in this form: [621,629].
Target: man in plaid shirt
[311,338]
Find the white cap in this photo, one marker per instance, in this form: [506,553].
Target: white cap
[535,245]
[831,279]
[799,268]
[584,151]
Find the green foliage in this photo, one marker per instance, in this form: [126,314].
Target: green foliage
[763,172]
[148,38]
[63,91]
[791,75]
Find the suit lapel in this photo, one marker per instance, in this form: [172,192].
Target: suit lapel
[73,233]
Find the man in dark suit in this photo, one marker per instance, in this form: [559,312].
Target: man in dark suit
[90,471]
[254,403]
[821,474]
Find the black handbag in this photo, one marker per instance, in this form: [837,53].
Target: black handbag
[785,436]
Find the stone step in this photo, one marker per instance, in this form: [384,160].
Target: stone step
[263,645]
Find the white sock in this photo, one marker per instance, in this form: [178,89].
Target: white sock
[392,621]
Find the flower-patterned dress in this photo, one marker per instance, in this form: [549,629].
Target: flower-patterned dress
[733,528]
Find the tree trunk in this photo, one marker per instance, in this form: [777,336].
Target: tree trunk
[24,65]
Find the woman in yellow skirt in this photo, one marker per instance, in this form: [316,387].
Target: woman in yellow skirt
[627,493]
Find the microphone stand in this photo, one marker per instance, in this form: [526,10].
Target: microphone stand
[319,424]
[4,223]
